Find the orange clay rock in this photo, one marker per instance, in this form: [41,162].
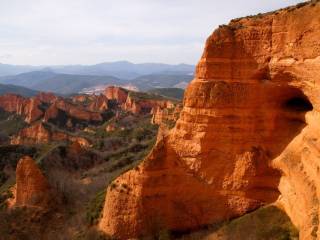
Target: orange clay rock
[162,115]
[46,97]
[145,103]
[116,93]
[98,103]
[254,103]
[92,102]
[32,188]
[71,110]
[42,133]
[26,107]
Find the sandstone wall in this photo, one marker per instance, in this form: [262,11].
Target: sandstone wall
[253,104]
[28,108]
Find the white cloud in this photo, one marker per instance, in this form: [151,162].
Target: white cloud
[92,31]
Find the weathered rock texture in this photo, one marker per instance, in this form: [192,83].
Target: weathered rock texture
[140,105]
[163,115]
[92,102]
[46,97]
[26,107]
[41,133]
[254,102]
[116,93]
[72,111]
[32,188]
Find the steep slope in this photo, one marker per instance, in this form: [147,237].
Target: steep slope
[176,93]
[254,102]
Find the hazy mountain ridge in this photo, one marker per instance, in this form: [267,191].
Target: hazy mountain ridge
[58,83]
[68,83]
[120,69]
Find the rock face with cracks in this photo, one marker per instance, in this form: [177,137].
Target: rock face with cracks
[248,134]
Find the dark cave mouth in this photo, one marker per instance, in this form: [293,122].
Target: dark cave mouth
[298,103]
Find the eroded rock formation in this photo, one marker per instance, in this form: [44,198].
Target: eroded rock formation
[92,102]
[32,187]
[64,109]
[162,115]
[46,97]
[116,93]
[28,108]
[144,103]
[253,103]
[42,133]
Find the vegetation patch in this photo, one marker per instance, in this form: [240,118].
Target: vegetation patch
[265,223]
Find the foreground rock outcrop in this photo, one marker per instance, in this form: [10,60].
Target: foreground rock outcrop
[32,187]
[253,106]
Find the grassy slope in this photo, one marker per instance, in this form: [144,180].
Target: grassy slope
[176,93]
[266,223]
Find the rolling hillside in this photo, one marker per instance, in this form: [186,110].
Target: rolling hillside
[151,81]
[8,88]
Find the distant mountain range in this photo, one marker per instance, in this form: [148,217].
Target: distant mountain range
[120,69]
[58,83]
[78,78]
[125,69]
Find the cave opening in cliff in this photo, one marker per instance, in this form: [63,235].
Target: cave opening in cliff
[298,103]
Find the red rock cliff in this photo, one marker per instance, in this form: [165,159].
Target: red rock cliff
[32,188]
[40,133]
[71,110]
[46,97]
[253,103]
[26,107]
[116,93]
[143,103]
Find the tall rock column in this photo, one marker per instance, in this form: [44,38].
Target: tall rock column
[32,188]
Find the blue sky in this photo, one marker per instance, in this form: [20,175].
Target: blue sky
[55,32]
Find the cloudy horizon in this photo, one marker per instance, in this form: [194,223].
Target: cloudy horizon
[60,32]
